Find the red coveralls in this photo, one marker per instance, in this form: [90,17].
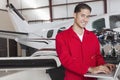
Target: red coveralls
[77,56]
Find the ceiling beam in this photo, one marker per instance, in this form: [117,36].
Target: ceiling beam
[50,10]
[105,6]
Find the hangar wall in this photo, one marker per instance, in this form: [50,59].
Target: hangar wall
[5,23]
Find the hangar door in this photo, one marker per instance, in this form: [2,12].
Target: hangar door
[8,48]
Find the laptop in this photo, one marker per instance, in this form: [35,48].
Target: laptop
[115,75]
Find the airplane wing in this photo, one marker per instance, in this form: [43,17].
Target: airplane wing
[24,63]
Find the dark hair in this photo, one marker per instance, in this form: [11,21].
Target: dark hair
[81,6]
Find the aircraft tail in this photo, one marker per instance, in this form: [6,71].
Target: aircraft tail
[17,19]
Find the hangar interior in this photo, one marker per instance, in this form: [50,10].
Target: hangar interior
[49,11]
[45,11]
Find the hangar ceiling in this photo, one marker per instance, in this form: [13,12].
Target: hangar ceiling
[47,10]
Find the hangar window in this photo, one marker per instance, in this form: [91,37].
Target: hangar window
[114,21]
[50,33]
[99,24]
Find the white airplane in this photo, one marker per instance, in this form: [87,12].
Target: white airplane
[38,36]
[42,36]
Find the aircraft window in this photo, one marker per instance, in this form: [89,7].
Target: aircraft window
[99,24]
[114,21]
[61,29]
[50,33]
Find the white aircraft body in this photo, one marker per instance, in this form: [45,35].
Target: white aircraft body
[42,36]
